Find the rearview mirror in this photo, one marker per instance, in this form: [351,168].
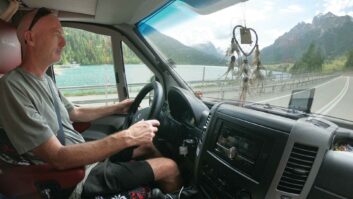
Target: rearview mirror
[205,7]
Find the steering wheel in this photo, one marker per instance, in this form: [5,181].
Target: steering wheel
[148,113]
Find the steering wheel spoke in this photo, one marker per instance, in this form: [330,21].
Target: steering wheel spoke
[152,112]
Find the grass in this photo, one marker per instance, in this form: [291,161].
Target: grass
[72,93]
[336,64]
[284,67]
[330,65]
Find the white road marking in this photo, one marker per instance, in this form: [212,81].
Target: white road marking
[328,107]
[283,96]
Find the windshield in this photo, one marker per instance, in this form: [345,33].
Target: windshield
[296,54]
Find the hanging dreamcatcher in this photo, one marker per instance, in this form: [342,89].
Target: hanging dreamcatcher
[244,43]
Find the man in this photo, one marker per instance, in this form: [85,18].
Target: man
[28,104]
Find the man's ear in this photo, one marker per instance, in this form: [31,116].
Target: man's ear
[28,38]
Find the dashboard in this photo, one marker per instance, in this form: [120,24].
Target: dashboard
[240,152]
[247,153]
[186,108]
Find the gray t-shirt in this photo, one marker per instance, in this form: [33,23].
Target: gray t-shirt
[28,114]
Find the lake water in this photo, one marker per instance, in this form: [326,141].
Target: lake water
[135,73]
[94,75]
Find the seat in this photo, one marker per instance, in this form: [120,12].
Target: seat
[10,49]
[27,181]
[19,178]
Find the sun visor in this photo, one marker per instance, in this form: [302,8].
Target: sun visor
[85,7]
[206,7]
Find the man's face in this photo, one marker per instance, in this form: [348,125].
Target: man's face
[49,41]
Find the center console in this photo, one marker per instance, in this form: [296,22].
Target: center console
[240,152]
[251,154]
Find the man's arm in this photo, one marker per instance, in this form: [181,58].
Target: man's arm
[87,114]
[65,157]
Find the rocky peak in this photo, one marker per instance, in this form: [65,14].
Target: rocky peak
[330,20]
[323,31]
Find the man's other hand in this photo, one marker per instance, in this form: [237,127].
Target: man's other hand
[124,106]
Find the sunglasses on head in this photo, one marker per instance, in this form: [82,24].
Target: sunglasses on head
[41,12]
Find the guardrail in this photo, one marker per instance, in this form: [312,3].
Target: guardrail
[277,82]
[266,87]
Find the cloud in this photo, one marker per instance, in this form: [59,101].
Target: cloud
[308,20]
[262,15]
[338,7]
[293,9]
[268,35]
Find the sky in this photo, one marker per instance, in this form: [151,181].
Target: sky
[270,19]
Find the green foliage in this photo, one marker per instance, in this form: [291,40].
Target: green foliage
[334,64]
[349,62]
[129,56]
[311,61]
[87,48]
[284,67]
[331,34]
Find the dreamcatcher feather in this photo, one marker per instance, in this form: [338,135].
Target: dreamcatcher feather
[233,63]
[244,72]
[257,77]
[245,81]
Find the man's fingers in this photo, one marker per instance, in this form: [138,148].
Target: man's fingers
[154,129]
[129,101]
[154,122]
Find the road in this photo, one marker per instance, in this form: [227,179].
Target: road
[334,98]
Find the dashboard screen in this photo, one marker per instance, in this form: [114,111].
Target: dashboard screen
[238,146]
[302,100]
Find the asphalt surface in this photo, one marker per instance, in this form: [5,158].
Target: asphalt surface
[333,97]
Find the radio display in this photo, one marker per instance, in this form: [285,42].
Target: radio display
[238,146]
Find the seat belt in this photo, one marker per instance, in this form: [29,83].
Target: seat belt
[60,135]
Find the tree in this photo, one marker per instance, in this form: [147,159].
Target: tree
[311,61]
[349,62]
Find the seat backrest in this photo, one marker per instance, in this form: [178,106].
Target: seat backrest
[10,48]
[17,180]
[10,58]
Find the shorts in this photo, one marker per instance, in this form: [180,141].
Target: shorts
[112,177]
[123,156]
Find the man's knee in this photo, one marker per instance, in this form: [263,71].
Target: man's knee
[171,166]
[163,168]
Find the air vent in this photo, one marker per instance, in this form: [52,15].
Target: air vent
[208,119]
[204,128]
[297,169]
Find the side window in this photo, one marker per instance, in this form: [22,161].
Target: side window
[85,74]
[137,74]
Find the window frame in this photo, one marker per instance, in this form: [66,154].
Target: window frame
[117,37]
[116,52]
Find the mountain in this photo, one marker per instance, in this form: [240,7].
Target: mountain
[177,52]
[209,49]
[330,33]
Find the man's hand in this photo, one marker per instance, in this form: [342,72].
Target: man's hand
[124,106]
[142,132]
[88,114]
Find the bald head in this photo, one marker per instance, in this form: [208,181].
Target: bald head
[41,37]
[25,24]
